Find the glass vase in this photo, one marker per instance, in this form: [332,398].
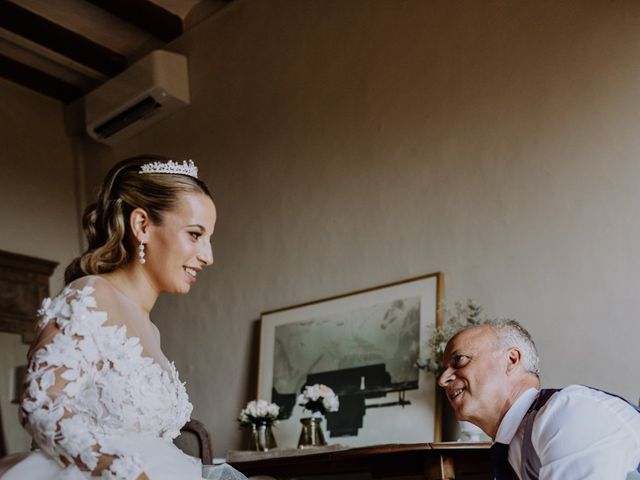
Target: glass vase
[261,438]
[470,433]
[311,434]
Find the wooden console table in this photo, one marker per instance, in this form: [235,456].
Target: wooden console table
[432,461]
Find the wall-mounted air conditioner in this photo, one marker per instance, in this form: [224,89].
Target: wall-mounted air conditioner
[148,91]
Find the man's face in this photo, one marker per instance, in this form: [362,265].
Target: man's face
[475,379]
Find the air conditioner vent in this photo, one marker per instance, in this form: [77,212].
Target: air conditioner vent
[145,93]
[140,110]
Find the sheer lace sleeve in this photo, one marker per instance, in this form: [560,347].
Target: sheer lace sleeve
[78,357]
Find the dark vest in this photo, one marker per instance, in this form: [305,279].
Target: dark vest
[530,462]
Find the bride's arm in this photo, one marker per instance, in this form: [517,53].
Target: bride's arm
[61,406]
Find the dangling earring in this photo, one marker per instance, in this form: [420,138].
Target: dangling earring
[141,259]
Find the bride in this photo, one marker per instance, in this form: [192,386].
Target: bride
[101,399]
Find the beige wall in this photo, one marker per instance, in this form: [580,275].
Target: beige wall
[350,144]
[37,210]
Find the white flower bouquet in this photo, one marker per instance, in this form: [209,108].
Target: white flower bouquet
[465,315]
[318,399]
[259,412]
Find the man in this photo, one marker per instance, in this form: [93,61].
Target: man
[491,379]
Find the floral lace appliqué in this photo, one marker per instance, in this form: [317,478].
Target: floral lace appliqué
[91,384]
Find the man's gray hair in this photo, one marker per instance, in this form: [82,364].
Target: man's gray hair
[511,334]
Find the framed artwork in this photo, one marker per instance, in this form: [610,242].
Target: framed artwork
[364,346]
[24,283]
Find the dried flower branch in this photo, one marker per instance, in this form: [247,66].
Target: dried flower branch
[465,315]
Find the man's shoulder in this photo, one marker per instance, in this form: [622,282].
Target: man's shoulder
[584,393]
[575,390]
[579,401]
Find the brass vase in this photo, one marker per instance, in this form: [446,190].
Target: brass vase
[311,434]
[261,438]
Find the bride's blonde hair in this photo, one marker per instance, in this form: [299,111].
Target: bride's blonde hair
[106,222]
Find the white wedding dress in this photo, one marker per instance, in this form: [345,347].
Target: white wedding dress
[99,389]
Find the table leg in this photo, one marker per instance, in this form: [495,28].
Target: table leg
[442,470]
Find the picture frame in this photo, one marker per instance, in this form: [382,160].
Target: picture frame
[364,345]
[24,284]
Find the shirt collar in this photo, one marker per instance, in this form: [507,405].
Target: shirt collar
[512,420]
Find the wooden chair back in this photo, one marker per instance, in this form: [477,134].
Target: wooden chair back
[194,432]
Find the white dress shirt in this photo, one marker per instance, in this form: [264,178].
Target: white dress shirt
[580,433]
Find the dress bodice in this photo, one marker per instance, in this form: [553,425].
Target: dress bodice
[97,375]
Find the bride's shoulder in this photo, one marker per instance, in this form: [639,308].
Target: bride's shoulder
[83,307]
[90,286]
[88,292]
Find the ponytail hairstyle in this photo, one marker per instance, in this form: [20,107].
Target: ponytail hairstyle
[106,222]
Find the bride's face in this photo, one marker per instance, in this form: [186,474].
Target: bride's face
[180,247]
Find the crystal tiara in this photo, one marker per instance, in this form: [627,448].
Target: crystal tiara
[171,167]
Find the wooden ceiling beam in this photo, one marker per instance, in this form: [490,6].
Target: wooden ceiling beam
[146,15]
[39,81]
[25,23]
[46,65]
